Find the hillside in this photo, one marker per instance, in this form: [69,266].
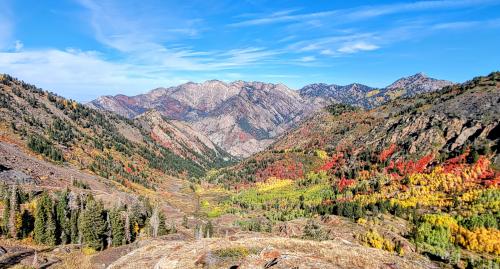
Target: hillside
[243,118]
[419,175]
[240,117]
[120,149]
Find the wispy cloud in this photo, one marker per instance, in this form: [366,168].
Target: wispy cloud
[359,13]
[357,46]
[146,44]
[459,25]
[307,59]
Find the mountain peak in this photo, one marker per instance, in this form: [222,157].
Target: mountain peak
[419,75]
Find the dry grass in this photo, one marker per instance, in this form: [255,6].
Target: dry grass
[288,252]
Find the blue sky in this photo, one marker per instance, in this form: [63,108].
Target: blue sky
[85,48]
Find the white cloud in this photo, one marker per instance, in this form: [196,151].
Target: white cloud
[356,47]
[81,75]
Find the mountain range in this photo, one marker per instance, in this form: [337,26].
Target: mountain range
[406,176]
[245,117]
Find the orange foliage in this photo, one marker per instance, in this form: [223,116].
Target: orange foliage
[404,168]
[281,169]
[386,153]
[344,183]
[332,162]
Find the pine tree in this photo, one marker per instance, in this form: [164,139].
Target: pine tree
[45,225]
[63,218]
[162,228]
[6,214]
[92,224]
[117,228]
[75,233]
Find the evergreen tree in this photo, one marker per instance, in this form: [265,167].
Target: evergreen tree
[117,228]
[162,228]
[208,229]
[63,218]
[6,214]
[75,233]
[93,225]
[45,224]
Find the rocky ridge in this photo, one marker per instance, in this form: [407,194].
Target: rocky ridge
[245,117]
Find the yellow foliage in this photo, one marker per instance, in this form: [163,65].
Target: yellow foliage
[361,221]
[441,220]
[375,240]
[479,240]
[19,221]
[88,251]
[273,183]
[321,154]
[136,228]
[437,180]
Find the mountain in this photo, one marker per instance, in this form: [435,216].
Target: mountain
[369,97]
[418,176]
[442,122]
[124,150]
[181,139]
[245,117]
[240,117]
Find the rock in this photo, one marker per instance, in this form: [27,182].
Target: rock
[2,251]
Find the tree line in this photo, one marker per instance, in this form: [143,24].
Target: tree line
[67,217]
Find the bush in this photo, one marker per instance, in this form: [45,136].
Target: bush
[313,231]
[232,253]
[375,240]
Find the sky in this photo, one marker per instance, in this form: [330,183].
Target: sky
[82,49]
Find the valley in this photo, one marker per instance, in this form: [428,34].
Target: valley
[253,175]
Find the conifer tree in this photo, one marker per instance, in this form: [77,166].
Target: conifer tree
[117,228]
[45,225]
[6,214]
[92,224]
[63,215]
[162,228]
[74,232]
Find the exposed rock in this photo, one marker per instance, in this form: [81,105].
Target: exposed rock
[246,117]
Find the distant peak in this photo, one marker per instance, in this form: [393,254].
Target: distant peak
[419,75]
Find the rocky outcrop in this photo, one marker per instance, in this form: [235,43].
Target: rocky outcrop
[181,139]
